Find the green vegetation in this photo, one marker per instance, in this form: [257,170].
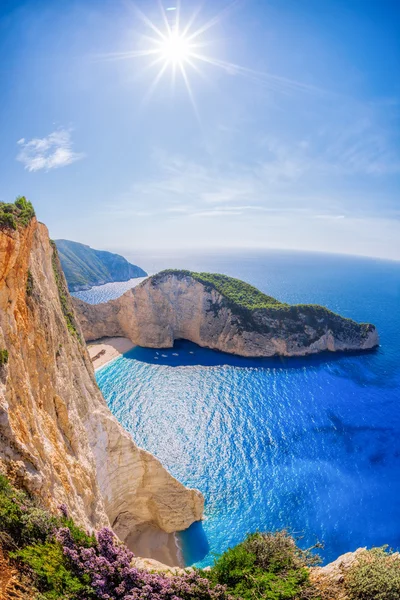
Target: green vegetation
[29,284]
[237,292]
[63,293]
[16,214]
[3,357]
[63,562]
[52,572]
[84,267]
[27,533]
[21,521]
[266,566]
[375,575]
[252,306]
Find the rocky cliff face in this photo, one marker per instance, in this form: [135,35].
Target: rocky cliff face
[177,305]
[57,436]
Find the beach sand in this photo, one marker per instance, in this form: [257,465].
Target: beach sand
[105,350]
[150,542]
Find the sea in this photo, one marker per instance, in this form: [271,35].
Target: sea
[311,445]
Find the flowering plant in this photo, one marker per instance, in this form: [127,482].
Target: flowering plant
[108,564]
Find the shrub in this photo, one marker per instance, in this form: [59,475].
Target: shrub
[52,572]
[21,519]
[26,210]
[29,284]
[266,566]
[108,565]
[279,552]
[3,357]
[7,220]
[66,562]
[19,213]
[375,575]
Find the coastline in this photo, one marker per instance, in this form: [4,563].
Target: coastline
[148,542]
[105,350]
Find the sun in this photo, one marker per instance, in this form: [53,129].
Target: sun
[181,48]
[176,48]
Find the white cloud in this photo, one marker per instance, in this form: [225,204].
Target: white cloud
[330,217]
[50,152]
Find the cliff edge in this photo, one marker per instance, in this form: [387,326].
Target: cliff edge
[221,313]
[57,436]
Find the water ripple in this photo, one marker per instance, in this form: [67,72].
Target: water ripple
[311,444]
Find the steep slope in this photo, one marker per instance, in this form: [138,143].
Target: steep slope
[57,436]
[85,267]
[219,312]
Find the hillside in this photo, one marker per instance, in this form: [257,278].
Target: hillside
[85,267]
[222,313]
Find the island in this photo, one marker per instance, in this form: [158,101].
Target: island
[85,267]
[222,313]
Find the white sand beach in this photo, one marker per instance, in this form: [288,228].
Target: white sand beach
[150,542]
[105,350]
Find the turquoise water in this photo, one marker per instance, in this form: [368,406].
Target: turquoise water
[309,444]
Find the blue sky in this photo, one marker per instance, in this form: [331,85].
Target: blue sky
[291,139]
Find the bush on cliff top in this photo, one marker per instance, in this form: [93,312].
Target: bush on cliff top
[375,575]
[18,213]
[266,566]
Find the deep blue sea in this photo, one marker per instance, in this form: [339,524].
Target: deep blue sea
[308,444]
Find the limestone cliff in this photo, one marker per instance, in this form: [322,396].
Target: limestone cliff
[222,313]
[57,436]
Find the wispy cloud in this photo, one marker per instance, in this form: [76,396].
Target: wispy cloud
[50,152]
[289,180]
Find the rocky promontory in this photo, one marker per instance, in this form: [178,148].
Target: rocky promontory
[222,313]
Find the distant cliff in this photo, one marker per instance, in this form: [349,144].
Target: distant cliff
[84,267]
[57,436]
[222,313]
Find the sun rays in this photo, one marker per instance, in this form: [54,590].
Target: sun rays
[176,48]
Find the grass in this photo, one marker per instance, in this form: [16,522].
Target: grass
[13,215]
